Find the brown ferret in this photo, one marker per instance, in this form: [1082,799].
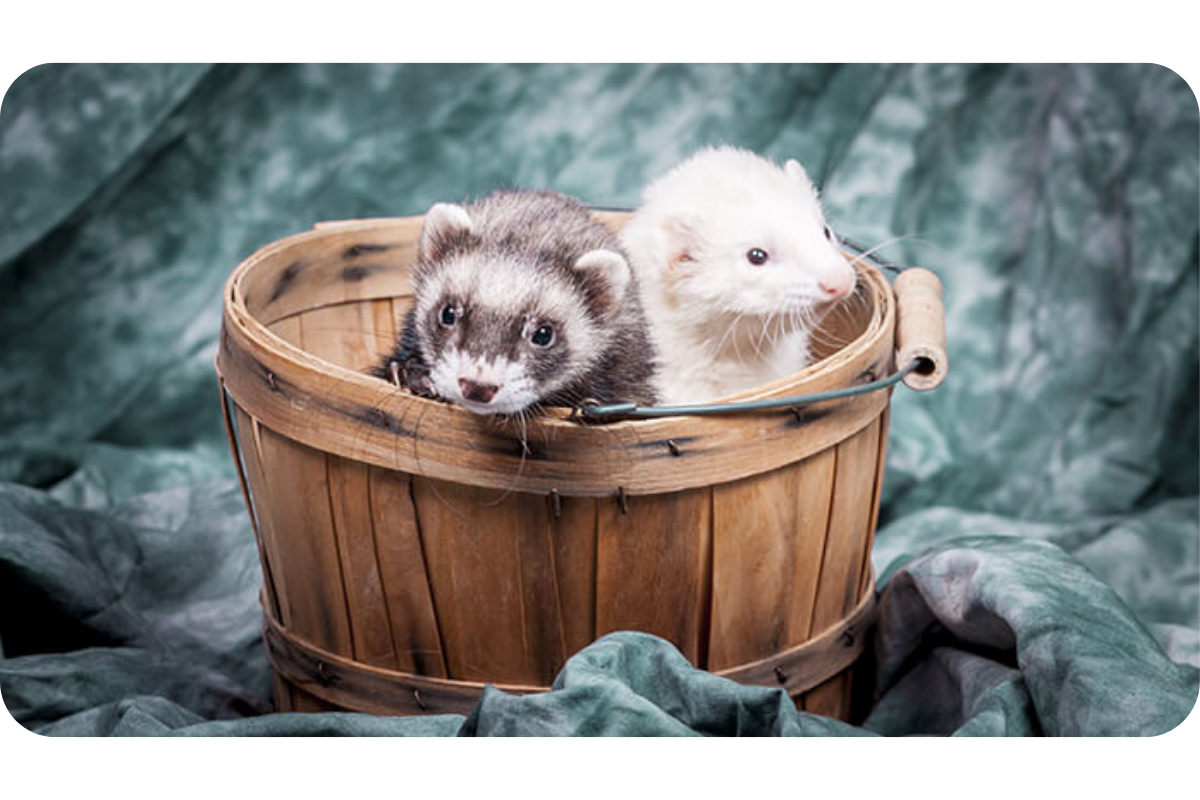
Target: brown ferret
[522,298]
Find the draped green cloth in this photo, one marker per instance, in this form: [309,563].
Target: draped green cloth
[1039,544]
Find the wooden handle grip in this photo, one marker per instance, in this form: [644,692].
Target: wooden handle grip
[921,328]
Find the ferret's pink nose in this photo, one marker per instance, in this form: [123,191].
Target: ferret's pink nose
[479,392]
[837,288]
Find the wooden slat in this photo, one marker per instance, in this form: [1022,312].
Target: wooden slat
[813,479]
[574,534]
[229,415]
[250,439]
[347,335]
[653,568]
[353,524]
[288,330]
[754,538]
[845,553]
[880,463]
[849,517]
[768,538]
[283,694]
[296,496]
[492,572]
[412,620]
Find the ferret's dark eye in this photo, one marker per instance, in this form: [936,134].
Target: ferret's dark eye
[757,256]
[543,336]
[828,233]
[448,316]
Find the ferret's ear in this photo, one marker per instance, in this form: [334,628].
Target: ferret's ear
[796,172]
[445,224]
[606,275]
[682,234]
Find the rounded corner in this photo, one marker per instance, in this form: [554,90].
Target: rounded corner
[21,74]
[1178,76]
[1187,726]
[7,728]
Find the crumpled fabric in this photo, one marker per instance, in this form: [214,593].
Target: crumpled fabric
[978,636]
[1039,540]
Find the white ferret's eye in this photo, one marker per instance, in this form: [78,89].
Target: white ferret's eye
[448,316]
[757,256]
[828,233]
[543,336]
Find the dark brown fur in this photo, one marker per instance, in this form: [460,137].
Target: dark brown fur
[549,232]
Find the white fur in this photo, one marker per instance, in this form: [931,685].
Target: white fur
[516,389]
[721,324]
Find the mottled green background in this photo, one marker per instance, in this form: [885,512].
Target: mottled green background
[1040,535]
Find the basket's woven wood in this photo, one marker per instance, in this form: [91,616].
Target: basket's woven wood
[770,534]
[323,680]
[494,582]
[846,543]
[323,404]
[405,537]
[359,417]
[657,583]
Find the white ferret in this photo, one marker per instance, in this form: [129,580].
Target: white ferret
[736,266]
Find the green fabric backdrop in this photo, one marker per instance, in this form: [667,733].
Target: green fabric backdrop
[1040,534]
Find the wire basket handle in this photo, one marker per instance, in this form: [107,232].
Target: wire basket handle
[920,350]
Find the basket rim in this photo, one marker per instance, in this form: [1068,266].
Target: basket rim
[245,336]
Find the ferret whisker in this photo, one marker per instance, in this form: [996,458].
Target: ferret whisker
[824,341]
[761,335]
[363,429]
[860,257]
[792,326]
[721,344]
[524,440]
[737,347]
[538,410]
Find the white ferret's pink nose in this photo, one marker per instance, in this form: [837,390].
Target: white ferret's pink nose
[837,286]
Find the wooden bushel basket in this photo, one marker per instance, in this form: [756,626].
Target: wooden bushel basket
[413,552]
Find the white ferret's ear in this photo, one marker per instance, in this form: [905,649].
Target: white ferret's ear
[797,173]
[443,223]
[682,234]
[607,277]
